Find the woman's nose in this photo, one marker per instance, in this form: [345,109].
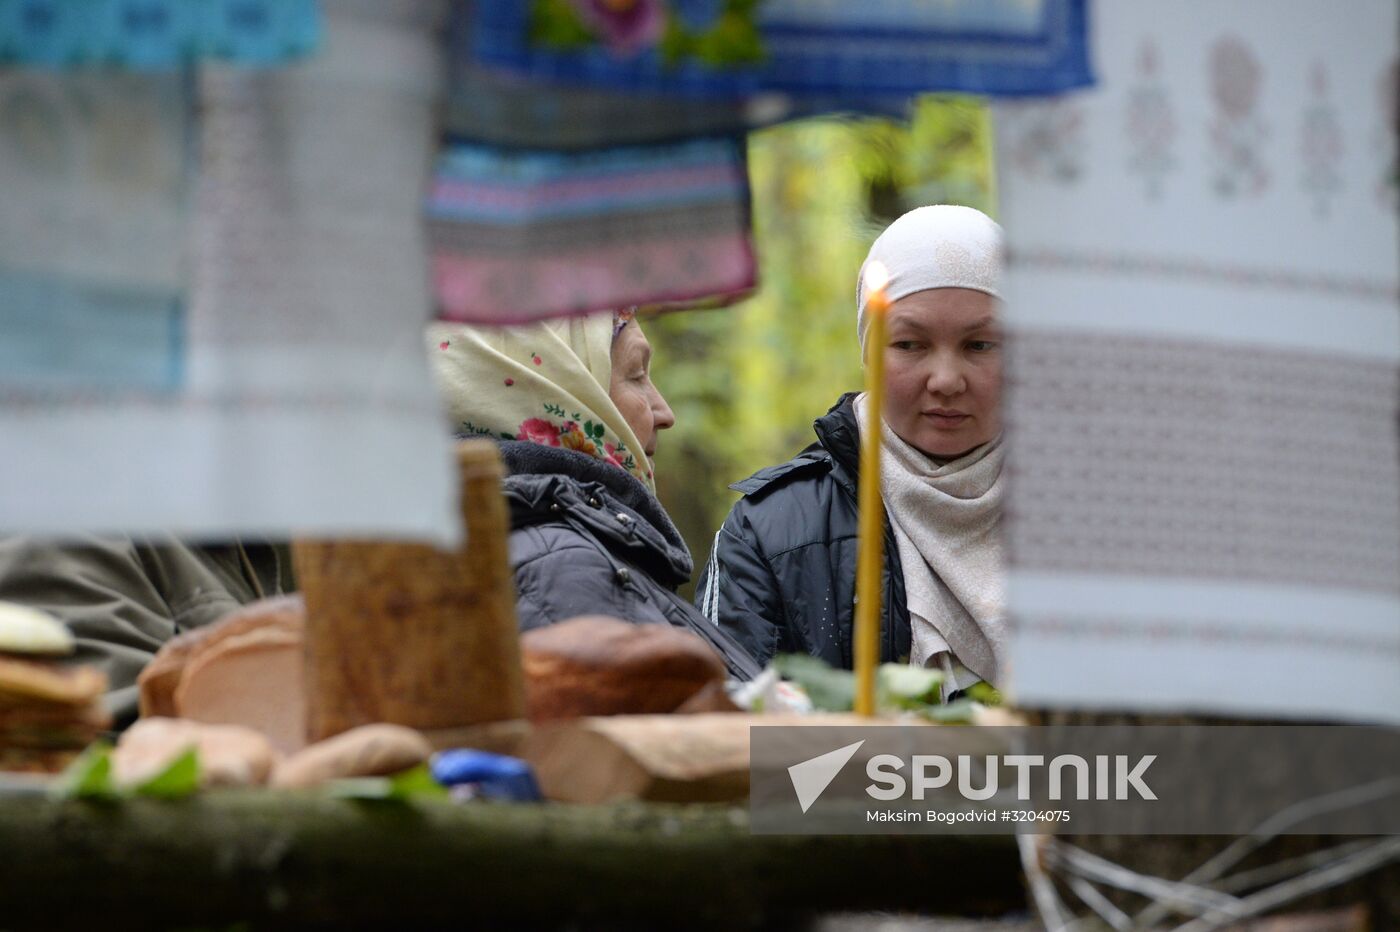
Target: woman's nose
[663,417]
[946,378]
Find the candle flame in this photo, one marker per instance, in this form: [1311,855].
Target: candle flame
[876,277]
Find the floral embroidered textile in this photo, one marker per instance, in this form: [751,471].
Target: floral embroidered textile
[861,56]
[1204,298]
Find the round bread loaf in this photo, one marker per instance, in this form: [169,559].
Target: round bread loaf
[162,676]
[367,751]
[229,755]
[594,665]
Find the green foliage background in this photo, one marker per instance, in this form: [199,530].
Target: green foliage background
[747,382]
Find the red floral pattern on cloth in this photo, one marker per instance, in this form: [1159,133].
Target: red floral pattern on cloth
[1237,132]
[538,430]
[572,433]
[627,26]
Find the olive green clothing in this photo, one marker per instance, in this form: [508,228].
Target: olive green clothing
[123,598]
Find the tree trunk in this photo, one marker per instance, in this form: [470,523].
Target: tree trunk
[303,860]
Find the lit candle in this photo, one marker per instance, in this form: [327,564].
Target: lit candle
[870,547]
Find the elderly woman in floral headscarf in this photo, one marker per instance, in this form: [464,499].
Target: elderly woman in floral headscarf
[572,404]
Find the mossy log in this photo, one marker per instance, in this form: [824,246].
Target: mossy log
[302,860]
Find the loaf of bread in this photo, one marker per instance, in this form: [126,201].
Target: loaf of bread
[160,679]
[229,755]
[367,751]
[48,712]
[594,665]
[245,669]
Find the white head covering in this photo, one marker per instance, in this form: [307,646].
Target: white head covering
[942,246]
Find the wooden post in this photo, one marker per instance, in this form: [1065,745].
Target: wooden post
[409,633]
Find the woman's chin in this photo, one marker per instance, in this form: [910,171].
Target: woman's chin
[944,447]
[941,442]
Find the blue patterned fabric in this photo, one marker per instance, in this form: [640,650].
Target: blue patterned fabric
[861,56]
[144,35]
[485,106]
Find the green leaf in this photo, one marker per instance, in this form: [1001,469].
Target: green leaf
[830,690]
[89,776]
[676,41]
[733,40]
[957,712]
[180,778]
[985,693]
[556,23]
[414,783]
[903,685]
[360,788]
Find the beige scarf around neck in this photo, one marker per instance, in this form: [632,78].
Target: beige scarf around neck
[947,524]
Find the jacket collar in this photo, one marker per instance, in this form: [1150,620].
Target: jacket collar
[839,434]
[598,497]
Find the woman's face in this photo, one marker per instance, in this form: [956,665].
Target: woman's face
[631,390]
[943,370]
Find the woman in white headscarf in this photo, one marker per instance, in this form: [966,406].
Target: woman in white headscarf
[781,574]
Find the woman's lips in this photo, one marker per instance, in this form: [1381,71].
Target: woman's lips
[945,417]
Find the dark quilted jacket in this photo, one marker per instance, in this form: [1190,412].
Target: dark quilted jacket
[588,539]
[781,573]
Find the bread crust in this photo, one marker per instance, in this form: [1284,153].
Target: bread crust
[595,665]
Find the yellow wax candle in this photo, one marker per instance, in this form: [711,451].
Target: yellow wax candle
[870,547]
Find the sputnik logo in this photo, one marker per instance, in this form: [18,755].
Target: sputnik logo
[811,777]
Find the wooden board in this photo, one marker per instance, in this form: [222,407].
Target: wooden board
[672,758]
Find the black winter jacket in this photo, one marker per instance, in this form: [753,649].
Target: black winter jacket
[588,539]
[781,574]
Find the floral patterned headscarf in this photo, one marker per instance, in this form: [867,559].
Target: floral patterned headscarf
[546,383]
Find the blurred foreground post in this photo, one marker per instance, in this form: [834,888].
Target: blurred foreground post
[410,634]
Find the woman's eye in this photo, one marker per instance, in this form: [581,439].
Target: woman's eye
[982,346]
[905,346]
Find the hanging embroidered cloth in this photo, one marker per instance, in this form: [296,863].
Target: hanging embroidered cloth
[96,172]
[1203,287]
[305,403]
[490,106]
[141,35]
[869,55]
[520,236]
